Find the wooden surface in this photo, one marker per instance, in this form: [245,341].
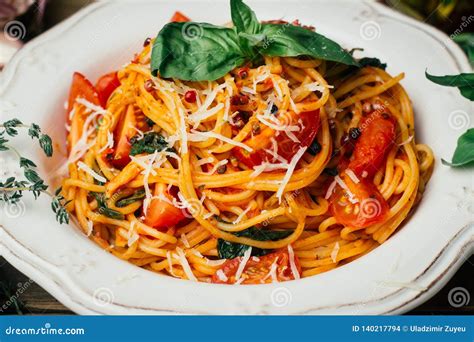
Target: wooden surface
[36,301]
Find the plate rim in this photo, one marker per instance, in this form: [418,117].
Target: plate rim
[462,244]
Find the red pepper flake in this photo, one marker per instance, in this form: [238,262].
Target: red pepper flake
[239,100]
[147,42]
[190,96]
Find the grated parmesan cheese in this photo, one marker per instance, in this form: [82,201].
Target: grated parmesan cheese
[184,263]
[87,169]
[90,227]
[185,241]
[243,263]
[293,267]
[219,164]
[335,252]
[343,185]
[289,172]
[197,136]
[110,142]
[330,189]
[221,275]
[266,167]
[242,214]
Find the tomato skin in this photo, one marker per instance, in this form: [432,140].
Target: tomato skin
[371,207]
[377,137]
[161,214]
[287,148]
[179,17]
[256,270]
[105,87]
[123,133]
[81,87]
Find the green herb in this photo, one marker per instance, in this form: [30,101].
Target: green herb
[230,250]
[464,153]
[373,62]
[58,205]
[104,209]
[465,83]
[138,195]
[315,147]
[149,143]
[466,42]
[200,51]
[331,171]
[12,189]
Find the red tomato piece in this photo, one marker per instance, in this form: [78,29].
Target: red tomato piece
[376,139]
[179,17]
[123,133]
[287,148]
[258,269]
[362,206]
[81,87]
[106,85]
[161,214]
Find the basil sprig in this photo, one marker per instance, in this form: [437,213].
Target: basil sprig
[203,52]
[464,153]
[465,83]
[230,250]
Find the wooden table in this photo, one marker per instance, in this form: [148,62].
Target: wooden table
[36,301]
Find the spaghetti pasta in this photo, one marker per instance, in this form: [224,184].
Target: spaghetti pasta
[193,184]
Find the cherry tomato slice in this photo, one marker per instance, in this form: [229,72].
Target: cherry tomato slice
[287,148]
[106,85]
[362,206]
[123,133]
[371,148]
[258,270]
[161,214]
[81,87]
[179,17]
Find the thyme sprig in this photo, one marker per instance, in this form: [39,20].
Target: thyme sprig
[11,190]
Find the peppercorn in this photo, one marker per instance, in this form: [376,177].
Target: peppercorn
[147,42]
[221,169]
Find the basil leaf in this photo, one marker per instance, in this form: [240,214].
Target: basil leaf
[466,42]
[373,62]
[290,41]
[464,153]
[103,209]
[195,51]
[230,250]
[465,83]
[151,142]
[243,17]
[138,195]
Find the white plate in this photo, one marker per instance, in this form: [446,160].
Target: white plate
[405,271]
